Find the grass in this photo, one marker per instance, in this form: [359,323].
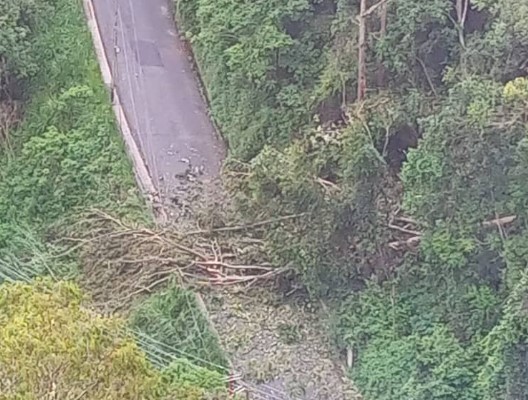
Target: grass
[66,156]
[170,325]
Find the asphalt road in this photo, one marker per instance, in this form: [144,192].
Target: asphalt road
[159,92]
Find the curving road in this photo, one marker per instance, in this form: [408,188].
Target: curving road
[159,92]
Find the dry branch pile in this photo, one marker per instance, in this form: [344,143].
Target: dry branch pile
[121,262]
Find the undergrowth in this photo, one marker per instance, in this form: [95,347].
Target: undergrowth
[171,319]
[409,202]
[66,155]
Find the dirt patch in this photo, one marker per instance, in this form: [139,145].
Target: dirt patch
[405,138]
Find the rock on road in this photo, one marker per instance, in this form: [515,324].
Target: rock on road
[159,91]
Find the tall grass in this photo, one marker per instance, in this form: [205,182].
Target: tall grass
[170,325]
[24,256]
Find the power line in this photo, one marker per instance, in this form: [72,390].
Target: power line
[169,351]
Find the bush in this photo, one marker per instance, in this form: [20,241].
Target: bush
[182,373]
[17,60]
[67,154]
[50,345]
[417,367]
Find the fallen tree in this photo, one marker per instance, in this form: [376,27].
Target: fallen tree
[122,261]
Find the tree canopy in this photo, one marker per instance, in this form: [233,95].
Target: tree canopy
[50,346]
[396,132]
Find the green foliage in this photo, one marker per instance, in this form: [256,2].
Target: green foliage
[407,348]
[453,322]
[500,50]
[449,103]
[450,322]
[68,164]
[44,329]
[322,179]
[65,158]
[182,373]
[460,170]
[419,44]
[258,74]
[66,155]
[170,325]
[416,367]
[17,61]
[504,373]
[24,256]
[51,346]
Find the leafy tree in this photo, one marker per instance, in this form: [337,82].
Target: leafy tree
[51,346]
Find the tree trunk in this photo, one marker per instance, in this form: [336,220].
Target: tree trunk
[382,72]
[461,10]
[362,55]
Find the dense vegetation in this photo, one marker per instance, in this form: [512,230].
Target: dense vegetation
[60,157]
[65,155]
[51,346]
[171,320]
[410,187]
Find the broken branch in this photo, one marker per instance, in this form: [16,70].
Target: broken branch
[234,267]
[498,222]
[373,8]
[397,245]
[405,230]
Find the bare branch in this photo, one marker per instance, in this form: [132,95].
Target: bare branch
[498,222]
[235,267]
[327,184]
[427,76]
[406,220]
[398,245]
[405,230]
[373,8]
[362,53]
